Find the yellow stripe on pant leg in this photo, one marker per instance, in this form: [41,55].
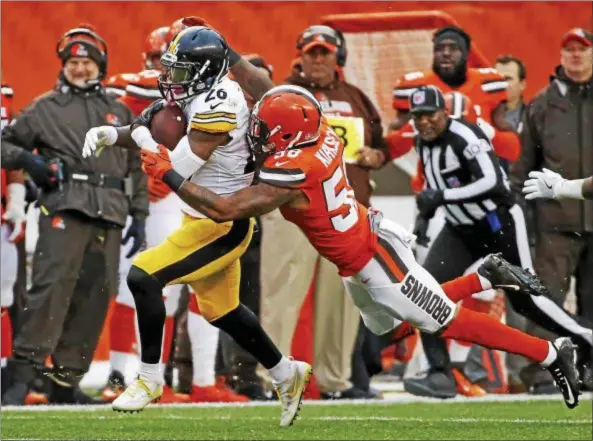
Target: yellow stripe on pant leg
[194,234]
[217,254]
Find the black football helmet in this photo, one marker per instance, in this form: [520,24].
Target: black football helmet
[195,60]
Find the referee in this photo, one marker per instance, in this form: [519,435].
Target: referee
[463,175]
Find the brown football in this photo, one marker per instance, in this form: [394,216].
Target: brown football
[168,126]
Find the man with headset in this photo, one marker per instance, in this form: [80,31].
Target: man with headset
[321,54]
[76,259]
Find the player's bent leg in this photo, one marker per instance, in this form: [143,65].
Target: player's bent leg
[198,249]
[218,300]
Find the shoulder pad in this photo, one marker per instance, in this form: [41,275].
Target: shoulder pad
[145,85]
[285,169]
[490,79]
[413,79]
[216,111]
[406,85]
[117,83]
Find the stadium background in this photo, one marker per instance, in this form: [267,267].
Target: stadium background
[529,30]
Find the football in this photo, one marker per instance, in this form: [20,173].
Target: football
[168,126]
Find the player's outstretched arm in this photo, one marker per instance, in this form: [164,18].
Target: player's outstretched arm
[251,79]
[251,201]
[550,185]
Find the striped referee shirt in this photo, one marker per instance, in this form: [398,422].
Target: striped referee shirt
[463,164]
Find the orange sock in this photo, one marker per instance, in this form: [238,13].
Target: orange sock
[486,331]
[462,287]
[122,329]
[168,332]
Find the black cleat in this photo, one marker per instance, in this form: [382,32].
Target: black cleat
[511,278]
[565,372]
[435,384]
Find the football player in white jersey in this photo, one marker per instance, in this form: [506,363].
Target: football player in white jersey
[202,253]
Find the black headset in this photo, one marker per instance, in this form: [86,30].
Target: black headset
[341,53]
[101,47]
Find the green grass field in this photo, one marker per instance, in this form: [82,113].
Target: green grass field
[532,420]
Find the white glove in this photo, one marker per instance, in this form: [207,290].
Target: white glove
[542,184]
[15,209]
[97,138]
[487,128]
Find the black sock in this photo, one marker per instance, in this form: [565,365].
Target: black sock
[242,324]
[150,310]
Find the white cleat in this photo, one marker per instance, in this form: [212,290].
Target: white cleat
[290,392]
[137,396]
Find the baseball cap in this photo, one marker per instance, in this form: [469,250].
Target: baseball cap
[578,34]
[318,36]
[426,99]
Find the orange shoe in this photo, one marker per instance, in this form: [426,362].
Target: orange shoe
[36,398]
[467,388]
[170,396]
[115,387]
[111,393]
[213,394]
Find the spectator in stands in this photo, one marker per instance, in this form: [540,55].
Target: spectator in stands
[515,73]
[558,135]
[76,259]
[290,269]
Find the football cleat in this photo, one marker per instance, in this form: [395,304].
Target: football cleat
[509,277]
[137,396]
[290,392]
[115,387]
[466,387]
[214,394]
[565,372]
[170,396]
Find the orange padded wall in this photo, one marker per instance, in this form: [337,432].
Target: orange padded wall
[529,30]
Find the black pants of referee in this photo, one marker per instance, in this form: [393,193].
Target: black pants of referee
[456,248]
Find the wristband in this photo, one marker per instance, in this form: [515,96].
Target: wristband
[173,179]
[110,133]
[569,189]
[143,139]
[183,160]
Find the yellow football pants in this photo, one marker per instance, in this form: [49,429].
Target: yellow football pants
[205,255]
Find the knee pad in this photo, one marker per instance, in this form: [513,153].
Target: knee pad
[139,281]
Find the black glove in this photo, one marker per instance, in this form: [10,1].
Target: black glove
[137,231]
[428,201]
[421,230]
[145,118]
[39,170]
